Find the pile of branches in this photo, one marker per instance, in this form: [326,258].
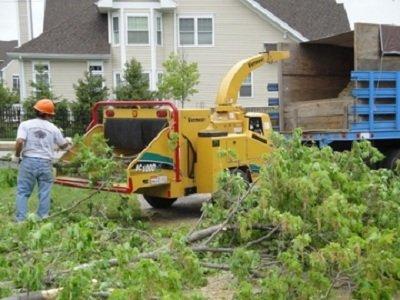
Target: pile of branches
[314,224]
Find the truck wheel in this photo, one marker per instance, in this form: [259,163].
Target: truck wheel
[391,157]
[158,202]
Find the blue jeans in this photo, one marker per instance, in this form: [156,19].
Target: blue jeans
[34,170]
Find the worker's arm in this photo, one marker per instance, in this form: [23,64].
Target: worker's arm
[19,142]
[18,146]
[66,144]
[62,143]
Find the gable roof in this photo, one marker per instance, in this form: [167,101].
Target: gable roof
[6,46]
[71,27]
[307,19]
[75,27]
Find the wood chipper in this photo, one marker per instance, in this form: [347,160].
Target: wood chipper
[143,132]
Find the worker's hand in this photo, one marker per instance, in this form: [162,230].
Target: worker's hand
[69,140]
[15,159]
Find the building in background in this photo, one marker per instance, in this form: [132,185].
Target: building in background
[9,69]
[101,36]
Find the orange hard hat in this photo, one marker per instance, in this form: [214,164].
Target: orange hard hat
[45,106]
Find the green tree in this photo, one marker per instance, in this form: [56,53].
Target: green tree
[88,91]
[179,80]
[135,85]
[7,97]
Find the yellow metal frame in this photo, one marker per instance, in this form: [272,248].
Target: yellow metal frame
[194,164]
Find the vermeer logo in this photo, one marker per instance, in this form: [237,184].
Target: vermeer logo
[191,120]
[256,62]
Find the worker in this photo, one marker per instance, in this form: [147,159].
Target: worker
[34,151]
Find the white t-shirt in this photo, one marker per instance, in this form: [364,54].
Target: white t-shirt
[40,137]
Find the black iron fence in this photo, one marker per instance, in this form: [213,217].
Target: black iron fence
[11,117]
[9,122]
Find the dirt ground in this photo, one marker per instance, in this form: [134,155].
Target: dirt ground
[186,212]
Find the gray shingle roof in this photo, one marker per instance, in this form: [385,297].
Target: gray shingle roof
[76,26]
[6,46]
[58,11]
[71,27]
[314,19]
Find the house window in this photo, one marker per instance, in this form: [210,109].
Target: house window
[146,77]
[195,31]
[205,31]
[41,73]
[96,68]
[186,31]
[138,30]
[159,77]
[117,79]
[159,30]
[115,30]
[246,90]
[15,83]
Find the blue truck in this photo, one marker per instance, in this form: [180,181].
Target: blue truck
[374,115]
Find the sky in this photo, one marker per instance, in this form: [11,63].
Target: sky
[8,18]
[371,11]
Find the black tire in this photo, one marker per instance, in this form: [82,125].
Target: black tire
[391,156]
[242,174]
[158,202]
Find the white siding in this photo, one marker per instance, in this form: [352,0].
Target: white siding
[11,69]
[116,58]
[239,33]
[168,34]
[64,74]
[28,77]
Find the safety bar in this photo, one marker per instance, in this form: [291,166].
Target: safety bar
[84,184]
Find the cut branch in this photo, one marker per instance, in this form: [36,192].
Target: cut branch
[263,238]
[215,250]
[233,211]
[76,204]
[39,295]
[226,267]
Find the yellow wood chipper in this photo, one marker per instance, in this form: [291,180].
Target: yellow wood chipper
[143,132]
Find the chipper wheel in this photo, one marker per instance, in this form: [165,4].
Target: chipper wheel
[391,158]
[158,202]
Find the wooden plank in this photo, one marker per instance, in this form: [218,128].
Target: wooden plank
[317,60]
[327,114]
[367,50]
[307,88]
[313,72]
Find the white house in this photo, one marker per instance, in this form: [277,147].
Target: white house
[101,36]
